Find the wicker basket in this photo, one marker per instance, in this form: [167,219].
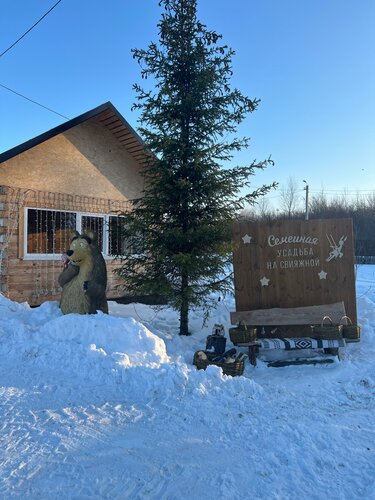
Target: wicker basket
[326,331]
[232,369]
[241,334]
[350,331]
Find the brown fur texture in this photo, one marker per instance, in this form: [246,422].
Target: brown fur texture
[84,281]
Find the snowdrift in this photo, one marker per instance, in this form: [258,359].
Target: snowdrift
[110,406]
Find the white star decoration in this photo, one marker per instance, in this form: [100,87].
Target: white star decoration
[246,239]
[264,281]
[322,275]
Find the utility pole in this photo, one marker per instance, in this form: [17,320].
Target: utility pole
[307,201]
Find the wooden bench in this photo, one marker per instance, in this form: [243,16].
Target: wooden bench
[290,328]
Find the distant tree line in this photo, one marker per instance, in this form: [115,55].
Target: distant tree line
[361,210]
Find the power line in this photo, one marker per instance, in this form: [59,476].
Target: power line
[15,43]
[28,31]
[343,192]
[34,102]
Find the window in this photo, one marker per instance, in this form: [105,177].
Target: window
[95,224]
[48,232]
[118,244]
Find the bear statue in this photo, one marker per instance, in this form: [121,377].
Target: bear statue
[84,279]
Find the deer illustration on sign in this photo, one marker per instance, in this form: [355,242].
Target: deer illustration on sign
[336,251]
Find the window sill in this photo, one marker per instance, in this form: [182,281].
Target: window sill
[50,256]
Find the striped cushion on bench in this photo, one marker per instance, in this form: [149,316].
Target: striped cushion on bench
[299,343]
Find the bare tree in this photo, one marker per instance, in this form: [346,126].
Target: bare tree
[264,210]
[290,197]
[319,205]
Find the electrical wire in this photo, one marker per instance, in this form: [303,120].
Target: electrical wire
[34,102]
[28,31]
[343,191]
[15,43]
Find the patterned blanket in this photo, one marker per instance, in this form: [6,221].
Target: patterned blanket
[299,343]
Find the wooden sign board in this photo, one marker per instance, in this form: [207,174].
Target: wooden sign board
[294,263]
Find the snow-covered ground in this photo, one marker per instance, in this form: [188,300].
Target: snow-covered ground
[111,407]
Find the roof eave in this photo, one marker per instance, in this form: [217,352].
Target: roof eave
[21,148]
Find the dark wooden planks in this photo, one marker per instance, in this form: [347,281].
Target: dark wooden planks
[294,256]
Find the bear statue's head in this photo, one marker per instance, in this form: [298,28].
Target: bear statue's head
[81,248]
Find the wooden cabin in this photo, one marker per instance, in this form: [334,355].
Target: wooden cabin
[80,175]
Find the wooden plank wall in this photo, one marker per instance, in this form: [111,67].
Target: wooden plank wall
[35,281]
[290,264]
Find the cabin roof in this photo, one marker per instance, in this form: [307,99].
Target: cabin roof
[106,115]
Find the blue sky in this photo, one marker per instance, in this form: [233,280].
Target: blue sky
[311,62]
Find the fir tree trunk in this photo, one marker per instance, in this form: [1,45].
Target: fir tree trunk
[184,309]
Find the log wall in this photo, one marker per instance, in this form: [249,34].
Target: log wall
[35,281]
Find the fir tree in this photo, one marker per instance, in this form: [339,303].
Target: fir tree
[180,229]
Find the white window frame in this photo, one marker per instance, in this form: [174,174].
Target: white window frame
[79,215]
